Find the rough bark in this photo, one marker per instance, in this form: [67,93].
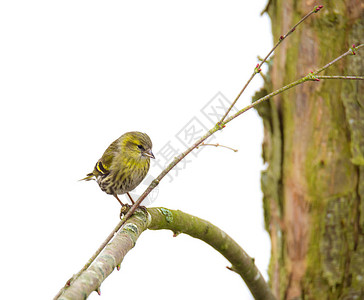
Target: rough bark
[314,146]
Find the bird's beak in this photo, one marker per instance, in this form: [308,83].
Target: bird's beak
[149,153]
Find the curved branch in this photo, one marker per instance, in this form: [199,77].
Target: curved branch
[242,263]
[179,222]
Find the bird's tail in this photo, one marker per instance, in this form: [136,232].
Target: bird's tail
[88,177]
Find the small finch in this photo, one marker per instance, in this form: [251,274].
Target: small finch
[123,165]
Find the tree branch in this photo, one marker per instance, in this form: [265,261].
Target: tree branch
[348,77]
[257,69]
[310,77]
[179,222]
[242,263]
[84,283]
[217,145]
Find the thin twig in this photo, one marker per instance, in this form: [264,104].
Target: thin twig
[217,145]
[349,52]
[257,69]
[350,77]
[219,126]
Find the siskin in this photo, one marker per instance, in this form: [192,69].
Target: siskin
[123,165]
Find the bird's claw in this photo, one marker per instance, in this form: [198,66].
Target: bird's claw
[124,210]
[126,207]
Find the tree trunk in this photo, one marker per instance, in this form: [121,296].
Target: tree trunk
[314,146]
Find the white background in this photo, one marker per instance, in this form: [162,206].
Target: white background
[75,75]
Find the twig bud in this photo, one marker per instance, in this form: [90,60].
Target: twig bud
[176,233]
[352,48]
[317,8]
[313,77]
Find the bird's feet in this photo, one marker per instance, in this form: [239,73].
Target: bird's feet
[126,207]
[124,210]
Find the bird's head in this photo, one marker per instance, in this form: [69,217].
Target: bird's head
[137,145]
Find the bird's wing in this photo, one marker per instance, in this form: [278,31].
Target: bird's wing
[104,163]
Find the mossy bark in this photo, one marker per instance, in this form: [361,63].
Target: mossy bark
[314,146]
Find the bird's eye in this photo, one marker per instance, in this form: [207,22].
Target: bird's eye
[140,147]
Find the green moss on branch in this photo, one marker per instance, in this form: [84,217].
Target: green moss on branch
[242,263]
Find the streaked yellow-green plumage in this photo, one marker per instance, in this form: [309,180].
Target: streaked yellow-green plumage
[124,164]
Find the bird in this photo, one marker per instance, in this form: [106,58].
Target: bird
[124,164]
